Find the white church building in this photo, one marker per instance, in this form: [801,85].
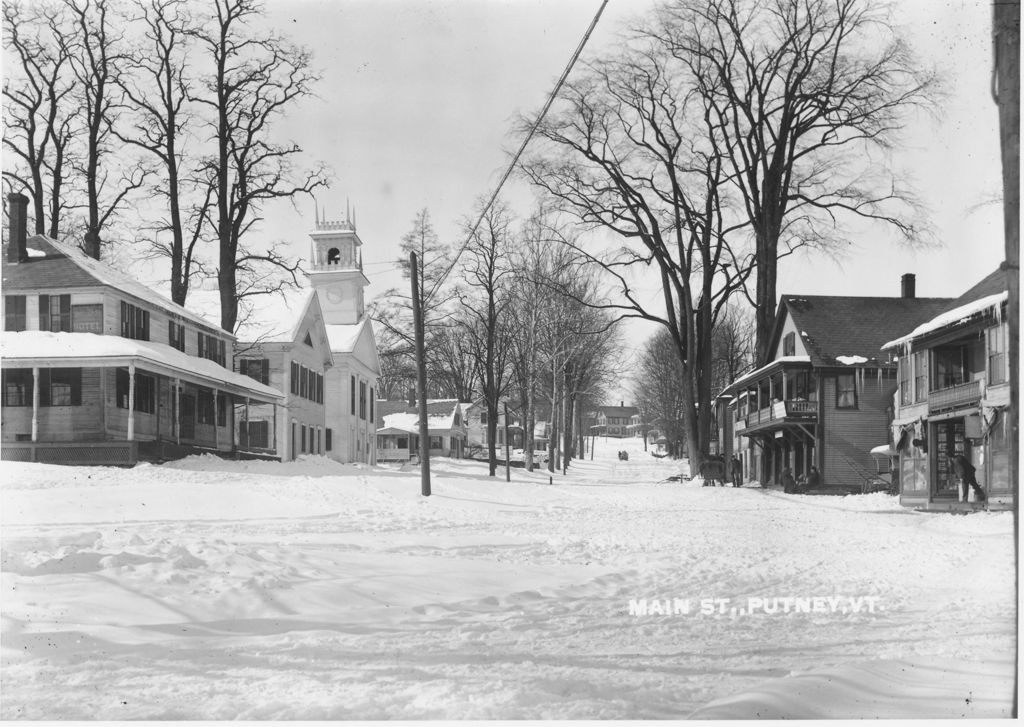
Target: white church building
[316,346]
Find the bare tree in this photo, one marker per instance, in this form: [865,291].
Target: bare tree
[484,305]
[254,78]
[158,92]
[96,49]
[452,368]
[629,152]
[798,93]
[732,351]
[39,123]
[656,389]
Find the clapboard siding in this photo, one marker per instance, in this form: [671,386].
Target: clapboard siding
[850,434]
[82,423]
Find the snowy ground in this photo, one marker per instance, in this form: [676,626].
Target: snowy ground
[310,590]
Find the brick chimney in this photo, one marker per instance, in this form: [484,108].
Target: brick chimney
[17,216]
[908,285]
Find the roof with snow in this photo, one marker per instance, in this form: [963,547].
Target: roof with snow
[65,266]
[987,296]
[851,330]
[276,317]
[35,348]
[617,411]
[402,415]
[344,337]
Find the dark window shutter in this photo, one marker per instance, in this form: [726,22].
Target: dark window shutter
[44,312]
[65,312]
[265,371]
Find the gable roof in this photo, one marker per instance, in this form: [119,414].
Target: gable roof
[276,318]
[65,266]
[617,411]
[440,413]
[984,298]
[844,329]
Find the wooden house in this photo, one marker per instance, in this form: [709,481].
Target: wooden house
[398,429]
[824,398]
[614,421]
[953,395]
[99,369]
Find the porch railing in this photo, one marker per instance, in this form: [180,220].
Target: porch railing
[791,408]
[955,396]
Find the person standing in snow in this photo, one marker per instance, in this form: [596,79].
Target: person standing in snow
[737,472]
[813,478]
[964,471]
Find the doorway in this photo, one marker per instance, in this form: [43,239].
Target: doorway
[949,440]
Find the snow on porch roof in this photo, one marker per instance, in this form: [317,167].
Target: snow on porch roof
[951,317]
[757,372]
[83,349]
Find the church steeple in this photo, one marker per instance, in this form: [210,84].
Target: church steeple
[337,269]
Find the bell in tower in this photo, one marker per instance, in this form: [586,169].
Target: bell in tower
[337,270]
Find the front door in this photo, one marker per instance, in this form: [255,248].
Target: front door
[187,417]
[949,440]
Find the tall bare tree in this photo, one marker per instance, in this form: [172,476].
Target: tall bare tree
[798,94]
[158,93]
[96,49]
[39,123]
[484,306]
[253,78]
[629,152]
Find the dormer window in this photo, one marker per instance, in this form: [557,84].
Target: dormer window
[333,256]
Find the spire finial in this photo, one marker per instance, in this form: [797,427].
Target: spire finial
[347,218]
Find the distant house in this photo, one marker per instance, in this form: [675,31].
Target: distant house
[99,369]
[316,345]
[476,428]
[398,429]
[614,421]
[954,391]
[824,398]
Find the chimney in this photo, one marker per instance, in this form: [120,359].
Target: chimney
[17,216]
[908,285]
[622,404]
[412,397]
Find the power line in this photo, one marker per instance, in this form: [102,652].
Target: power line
[522,147]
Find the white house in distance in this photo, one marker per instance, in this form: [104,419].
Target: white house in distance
[317,346]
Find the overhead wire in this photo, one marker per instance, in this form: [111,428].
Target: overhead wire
[522,147]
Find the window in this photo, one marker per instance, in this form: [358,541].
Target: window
[14,312]
[257,433]
[294,378]
[950,367]
[308,340]
[60,387]
[371,405]
[327,440]
[353,397]
[145,391]
[211,347]
[319,433]
[205,413]
[55,313]
[920,375]
[303,449]
[789,344]
[255,368]
[17,387]
[134,322]
[436,442]
[997,368]
[176,335]
[906,377]
[846,391]
[483,417]
[304,382]
[362,400]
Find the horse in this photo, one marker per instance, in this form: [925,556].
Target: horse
[712,469]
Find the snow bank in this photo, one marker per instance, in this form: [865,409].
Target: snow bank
[211,589]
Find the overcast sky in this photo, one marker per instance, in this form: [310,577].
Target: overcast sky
[418,98]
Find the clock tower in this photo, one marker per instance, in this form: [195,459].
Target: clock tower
[337,271]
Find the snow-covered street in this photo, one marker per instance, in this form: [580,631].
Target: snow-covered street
[208,589]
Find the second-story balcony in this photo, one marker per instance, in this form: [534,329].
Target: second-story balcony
[953,397]
[780,412]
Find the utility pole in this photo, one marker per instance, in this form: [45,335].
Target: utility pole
[421,376]
[508,454]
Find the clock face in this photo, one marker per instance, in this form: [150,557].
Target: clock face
[334,295]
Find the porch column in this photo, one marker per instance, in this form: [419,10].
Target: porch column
[131,402]
[784,393]
[35,403]
[248,444]
[177,411]
[216,416]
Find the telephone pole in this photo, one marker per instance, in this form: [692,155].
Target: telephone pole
[421,376]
